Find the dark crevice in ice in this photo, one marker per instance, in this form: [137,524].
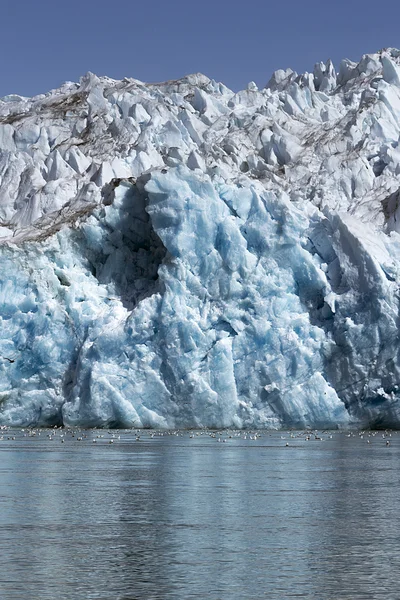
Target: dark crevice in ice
[129,252]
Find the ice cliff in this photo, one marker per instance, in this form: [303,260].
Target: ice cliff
[181,255]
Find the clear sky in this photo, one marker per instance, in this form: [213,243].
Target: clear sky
[46,42]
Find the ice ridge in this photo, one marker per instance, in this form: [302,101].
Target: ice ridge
[180,255]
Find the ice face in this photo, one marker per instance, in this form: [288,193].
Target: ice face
[179,255]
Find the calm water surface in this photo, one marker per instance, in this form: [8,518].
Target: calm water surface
[175,516]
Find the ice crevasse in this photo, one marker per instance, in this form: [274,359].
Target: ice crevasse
[180,255]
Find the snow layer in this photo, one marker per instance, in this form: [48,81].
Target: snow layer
[178,254]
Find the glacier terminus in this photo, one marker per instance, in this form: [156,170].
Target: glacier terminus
[181,255]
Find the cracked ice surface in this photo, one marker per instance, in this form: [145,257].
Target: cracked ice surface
[177,254]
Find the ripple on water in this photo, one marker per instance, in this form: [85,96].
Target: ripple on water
[189,514]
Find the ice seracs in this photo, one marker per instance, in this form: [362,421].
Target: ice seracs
[180,255]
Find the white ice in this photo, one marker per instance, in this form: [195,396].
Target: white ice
[178,254]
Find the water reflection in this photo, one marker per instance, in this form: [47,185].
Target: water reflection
[175,517]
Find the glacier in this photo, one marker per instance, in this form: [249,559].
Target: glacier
[181,255]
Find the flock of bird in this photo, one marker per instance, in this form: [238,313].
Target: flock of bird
[111,436]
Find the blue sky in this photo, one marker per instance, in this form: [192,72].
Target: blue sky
[46,42]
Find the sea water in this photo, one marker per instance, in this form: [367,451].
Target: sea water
[165,515]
